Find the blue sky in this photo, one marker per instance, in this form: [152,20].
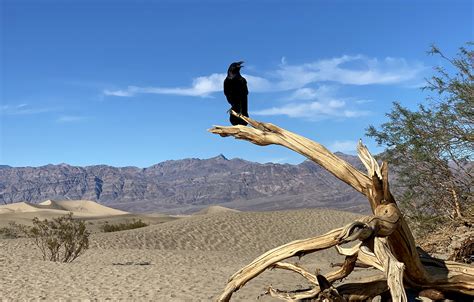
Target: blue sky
[139,82]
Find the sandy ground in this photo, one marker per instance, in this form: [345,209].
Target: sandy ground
[186,259]
[94,214]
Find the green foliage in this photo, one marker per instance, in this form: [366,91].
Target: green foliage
[60,239]
[432,147]
[134,224]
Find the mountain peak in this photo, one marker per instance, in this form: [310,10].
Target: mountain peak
[220,157]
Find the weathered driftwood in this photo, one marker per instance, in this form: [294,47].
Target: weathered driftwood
[385,240]
[358,264]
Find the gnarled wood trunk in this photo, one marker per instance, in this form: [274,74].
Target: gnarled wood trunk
[386,241]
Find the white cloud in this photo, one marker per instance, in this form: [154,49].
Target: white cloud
[308,93]
[201,87]
[304,94]
[346,146]
[23,109]
[355,113]
[316,110]
[418,85]
[118,92]
[317,104]
[257,84]
[282,160]
[363,101]
[347,70]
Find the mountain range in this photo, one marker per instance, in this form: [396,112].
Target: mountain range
[187,185]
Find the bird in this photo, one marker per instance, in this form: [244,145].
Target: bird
[236,92]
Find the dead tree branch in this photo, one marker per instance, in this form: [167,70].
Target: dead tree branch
[386,242]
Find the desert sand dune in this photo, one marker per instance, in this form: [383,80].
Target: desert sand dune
[51,205]
[229,231]
[87,207]
[78,207]
[23,212]
[214,210]
[22,207]
[189,259]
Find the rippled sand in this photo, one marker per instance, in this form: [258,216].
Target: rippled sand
[188,259]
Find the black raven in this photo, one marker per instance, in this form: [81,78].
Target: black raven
[235,90]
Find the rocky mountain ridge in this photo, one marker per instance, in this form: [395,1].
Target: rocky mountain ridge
[180,186]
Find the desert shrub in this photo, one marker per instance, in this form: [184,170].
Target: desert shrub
[134,224]
[61,239]
[465,252]
[14,230]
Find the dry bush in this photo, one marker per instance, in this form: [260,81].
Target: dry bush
[13,231]
[61,239]
[465,253]
[135,224]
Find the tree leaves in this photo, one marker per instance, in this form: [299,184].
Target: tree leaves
[431,148]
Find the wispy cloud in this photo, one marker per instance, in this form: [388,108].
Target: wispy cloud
[346,146]
[70,119]
[363,101]
[304,94]
[258,84]
[418,85]
[201,86]
[282,160]
[128,92]
[310,93]
[346,70]
[350,70]
[23,109]
[317,104]
[316,110]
